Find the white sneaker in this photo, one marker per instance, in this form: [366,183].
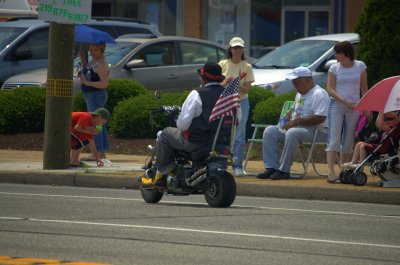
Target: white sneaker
[106,162]
[238,172]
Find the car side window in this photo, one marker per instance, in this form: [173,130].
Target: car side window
[123,30]
[37,45]
[106,28]
[160,54]
[198,53]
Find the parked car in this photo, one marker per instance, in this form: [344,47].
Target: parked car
[258,51]
[163,63]
[24,42]
[315,52]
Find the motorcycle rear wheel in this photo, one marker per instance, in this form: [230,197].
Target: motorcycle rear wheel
[151,195]
[222,190]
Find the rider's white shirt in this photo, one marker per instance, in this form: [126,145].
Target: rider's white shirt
[192,108]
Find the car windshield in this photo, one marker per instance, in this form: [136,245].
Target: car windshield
[8,34]
[294,54]
[115,52]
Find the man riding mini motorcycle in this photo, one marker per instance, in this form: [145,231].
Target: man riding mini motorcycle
[193,127]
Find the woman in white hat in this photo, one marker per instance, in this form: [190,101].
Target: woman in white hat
[233,66]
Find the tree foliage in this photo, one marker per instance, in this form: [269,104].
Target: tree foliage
[379,30]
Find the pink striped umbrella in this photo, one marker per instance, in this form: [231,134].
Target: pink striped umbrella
[383,97]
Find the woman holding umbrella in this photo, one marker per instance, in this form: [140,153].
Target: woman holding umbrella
[94,82]
[345,78]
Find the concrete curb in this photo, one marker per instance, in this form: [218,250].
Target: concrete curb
[121,181]
[318,193]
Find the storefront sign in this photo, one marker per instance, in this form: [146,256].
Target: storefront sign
[65,11]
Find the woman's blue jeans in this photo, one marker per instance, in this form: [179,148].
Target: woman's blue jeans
[94,100]
[342,123]
[240,134]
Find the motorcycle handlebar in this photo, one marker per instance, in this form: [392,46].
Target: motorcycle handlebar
[167,110]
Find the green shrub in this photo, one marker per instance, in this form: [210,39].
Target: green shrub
[22,110]
[118,90]
[268,111]
[131,117]
[78,103]
[379,30]
[121,89]
[256,95]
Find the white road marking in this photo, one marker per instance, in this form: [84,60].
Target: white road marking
[197,203]
[207,232]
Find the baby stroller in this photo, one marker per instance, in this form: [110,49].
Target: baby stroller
[386,166]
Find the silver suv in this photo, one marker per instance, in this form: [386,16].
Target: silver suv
[24,43]
[315,53]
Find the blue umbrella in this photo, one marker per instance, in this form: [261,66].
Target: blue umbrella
[87,34]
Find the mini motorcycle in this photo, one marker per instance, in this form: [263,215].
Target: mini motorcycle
[200,172]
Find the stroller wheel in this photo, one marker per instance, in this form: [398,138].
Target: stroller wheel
[348,176]
[359,179]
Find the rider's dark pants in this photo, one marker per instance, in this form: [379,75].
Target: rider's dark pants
[168,140]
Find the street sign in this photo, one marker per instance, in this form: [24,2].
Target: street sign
[65,11]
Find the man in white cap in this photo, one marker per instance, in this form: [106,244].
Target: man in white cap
[309,111]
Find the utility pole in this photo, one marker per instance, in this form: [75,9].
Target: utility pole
[59,89]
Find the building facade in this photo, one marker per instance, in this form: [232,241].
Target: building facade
[263,24]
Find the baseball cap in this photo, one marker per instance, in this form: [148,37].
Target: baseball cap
[299,72]
[103,112]
[236,41]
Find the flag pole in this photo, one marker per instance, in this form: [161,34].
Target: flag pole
[233,131]
[235,120]
[216,135]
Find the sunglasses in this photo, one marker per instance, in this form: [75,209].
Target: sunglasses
[390,119]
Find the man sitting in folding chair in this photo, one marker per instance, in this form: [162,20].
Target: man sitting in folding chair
[309,111]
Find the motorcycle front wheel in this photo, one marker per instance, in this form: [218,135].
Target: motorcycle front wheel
[151,195]
[221,190]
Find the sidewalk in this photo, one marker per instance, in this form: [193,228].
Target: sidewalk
[26,167]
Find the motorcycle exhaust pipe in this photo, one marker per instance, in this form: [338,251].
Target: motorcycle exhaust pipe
[198,180]
[195,176]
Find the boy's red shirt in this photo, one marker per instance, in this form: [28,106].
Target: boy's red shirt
[85,120]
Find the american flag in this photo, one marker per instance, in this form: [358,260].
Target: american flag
[227,102]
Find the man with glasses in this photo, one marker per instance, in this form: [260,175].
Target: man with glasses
[309,111]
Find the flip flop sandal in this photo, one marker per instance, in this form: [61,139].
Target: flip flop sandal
[334,181]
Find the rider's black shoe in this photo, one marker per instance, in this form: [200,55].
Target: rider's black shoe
[162,182]
[266,174]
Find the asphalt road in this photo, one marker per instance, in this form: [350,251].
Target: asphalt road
[111,226]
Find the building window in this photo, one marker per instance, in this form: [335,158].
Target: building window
[265,26]
[304,21]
